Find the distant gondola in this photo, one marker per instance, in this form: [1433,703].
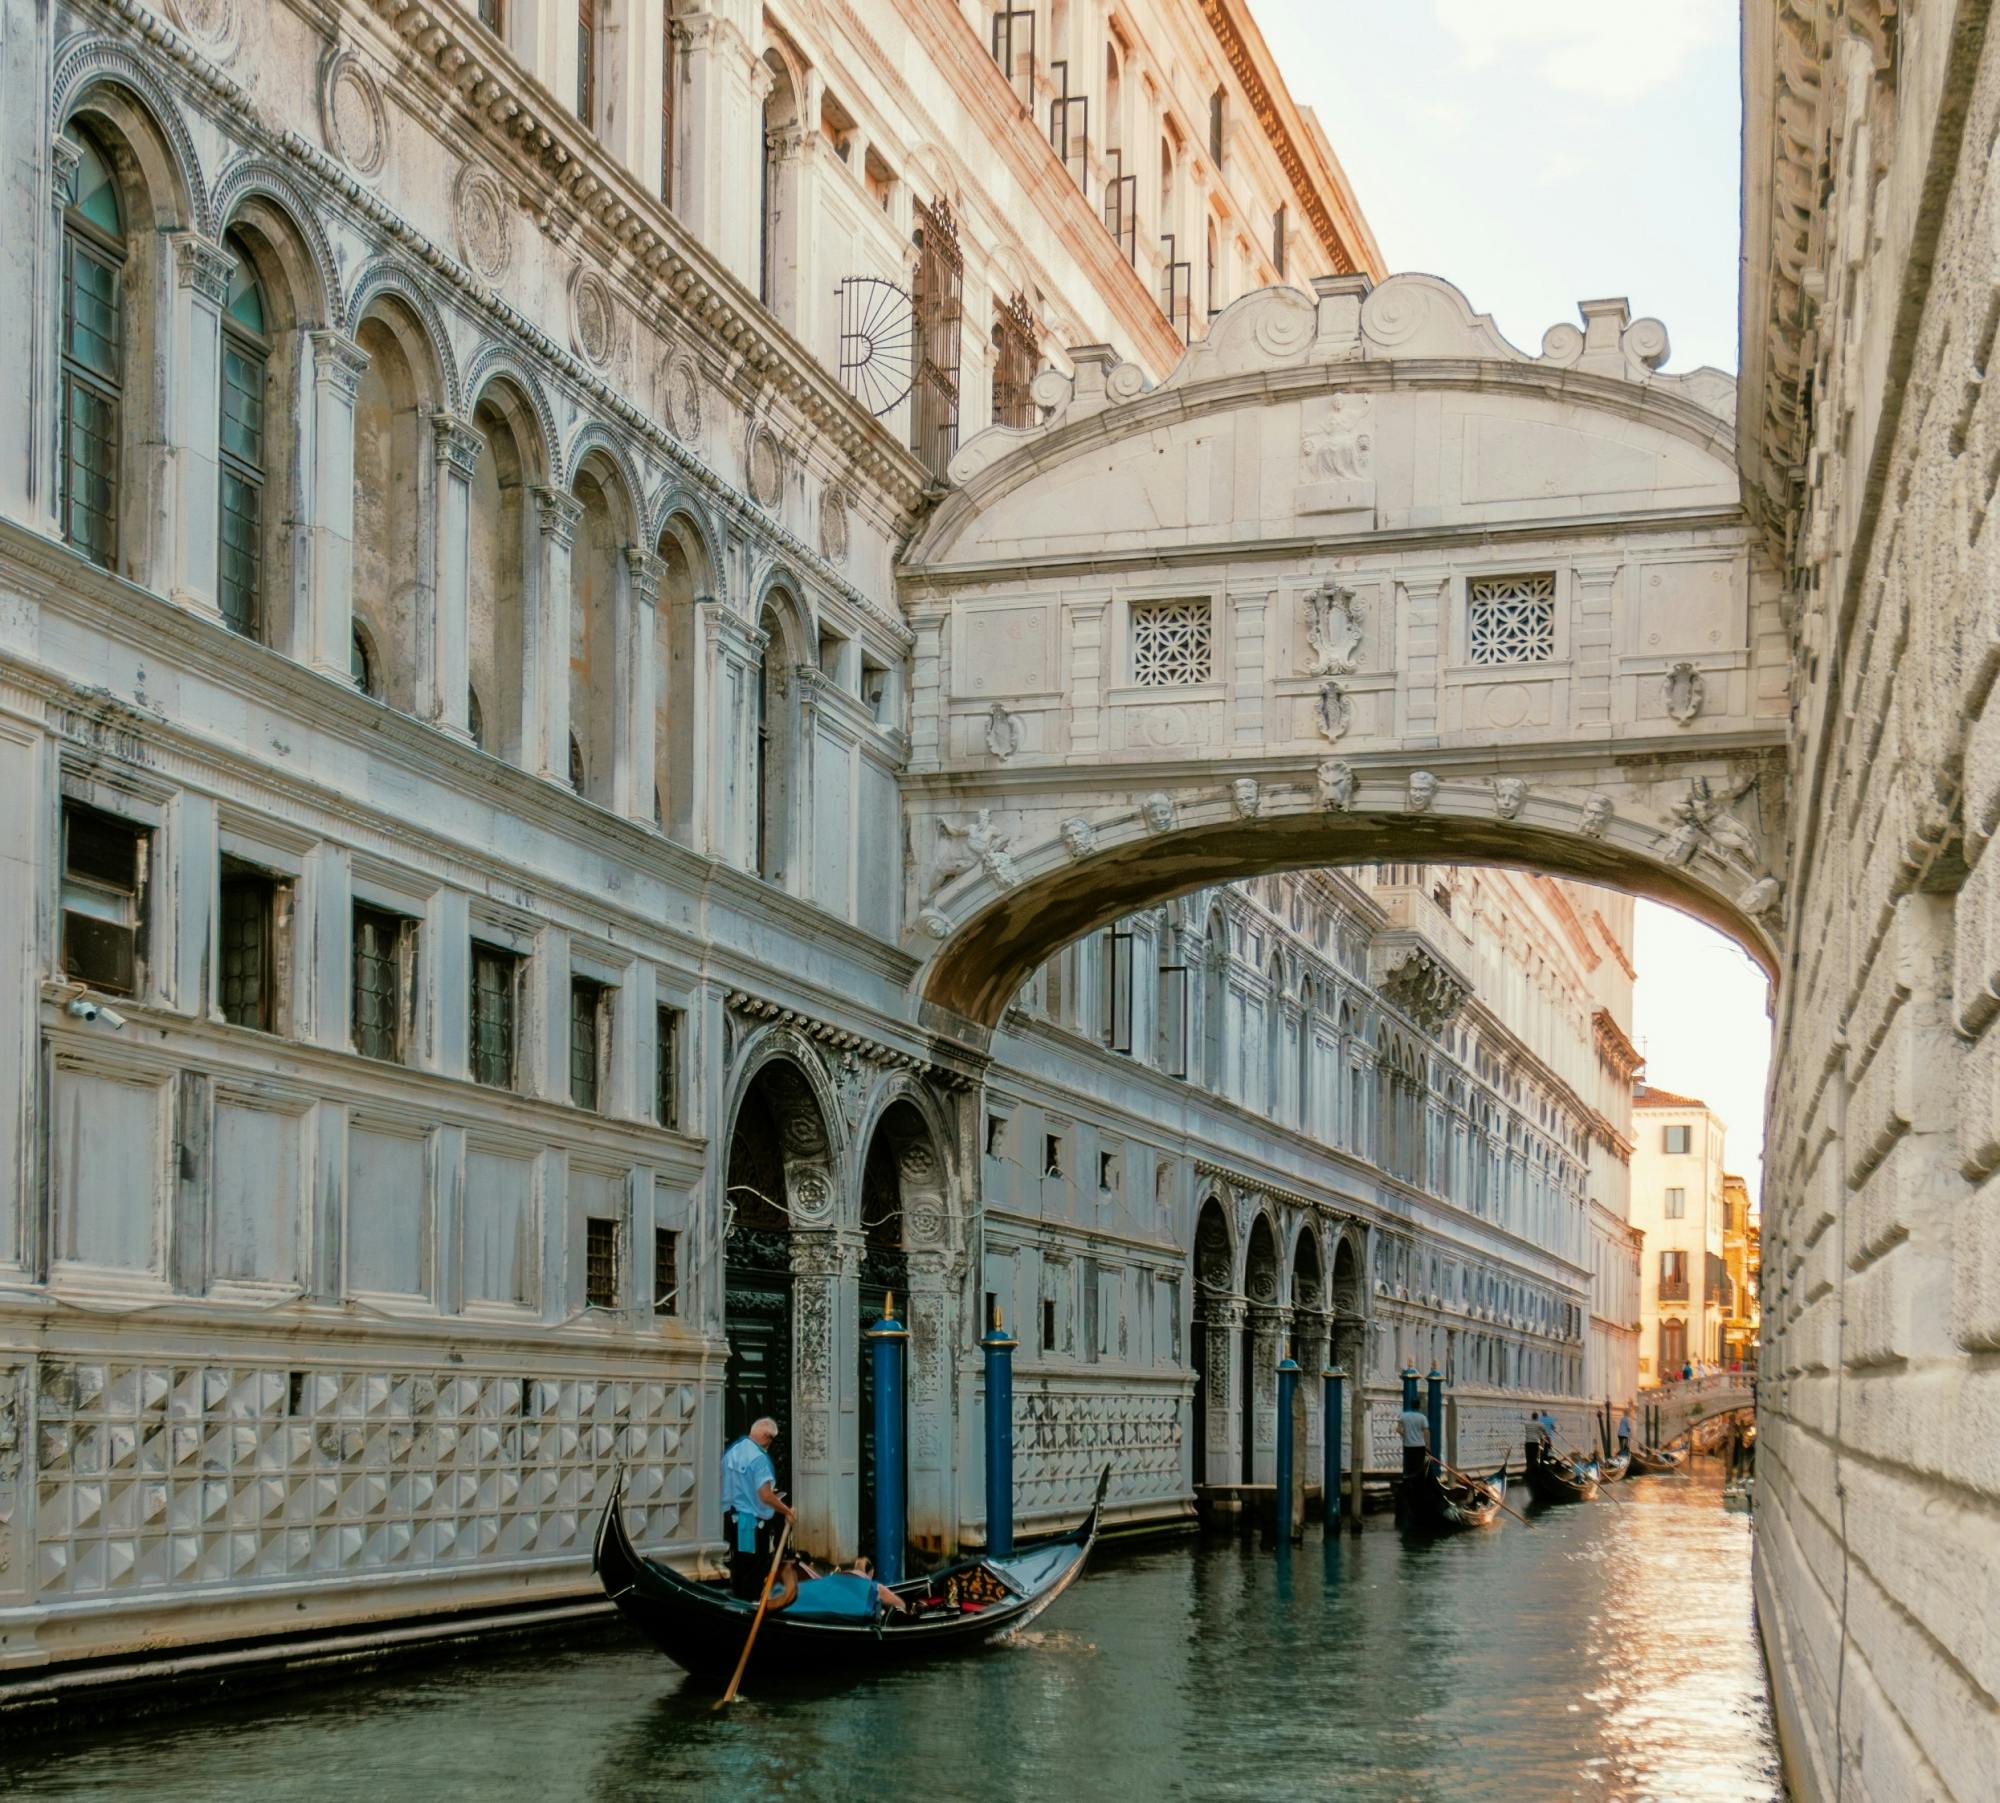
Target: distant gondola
[1554,1478]
[1654,1461]
[1613,1467]
[1445,1503]
[701,1626]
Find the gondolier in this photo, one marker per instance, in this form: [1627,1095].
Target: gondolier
[1625,1431]
[1416,1447]
[750,1501]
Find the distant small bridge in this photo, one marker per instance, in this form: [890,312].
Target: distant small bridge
[1683,1407]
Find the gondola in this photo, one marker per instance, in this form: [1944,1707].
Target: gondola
[1446,1504]
[1655,1461]
[1612,1467]
[1556,1478]
[965,1604]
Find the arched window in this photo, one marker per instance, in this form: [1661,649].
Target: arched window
[1214,1005]
[1212,264]
[246,357]
[597,574]
[361,664]
[775,746]
[777,250]
[501,565]
[683,582]
[392,483]
[93,357]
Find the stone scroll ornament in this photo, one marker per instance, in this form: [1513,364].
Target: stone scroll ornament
[1334,622]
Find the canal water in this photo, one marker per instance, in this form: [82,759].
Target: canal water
[1607,1651]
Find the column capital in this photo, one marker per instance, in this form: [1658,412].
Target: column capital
[458,443]
[201,265]
[559,513]
[648,573]
[65,158]
[338,362]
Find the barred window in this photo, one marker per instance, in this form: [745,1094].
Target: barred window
[1172,644]
[245,357]
[1014,364]
[250,969]
[385,947]
[667,1067]
[586,1016]
[495,991]
[600,1263]
[937,296]
[93,359]
[1511,619]
[666,1271]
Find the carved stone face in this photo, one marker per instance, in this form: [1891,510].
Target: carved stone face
[1423,791]
[1243,791]
[1158,810]
[1078,838]
[1336,783]
[1596,817]
[1510,794]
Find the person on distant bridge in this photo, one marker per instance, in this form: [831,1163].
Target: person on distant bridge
[750,1501]
[1687,1372]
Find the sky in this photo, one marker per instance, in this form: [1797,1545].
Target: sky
[1537,153]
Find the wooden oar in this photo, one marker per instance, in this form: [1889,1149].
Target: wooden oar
[763,1602]
[1480,1483]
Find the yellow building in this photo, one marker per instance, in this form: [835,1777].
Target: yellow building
[1677,1203]
[1740,1235]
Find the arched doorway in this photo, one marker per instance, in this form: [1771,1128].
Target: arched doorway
[1218,1317]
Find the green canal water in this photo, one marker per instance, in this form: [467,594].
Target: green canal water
[1608,1651]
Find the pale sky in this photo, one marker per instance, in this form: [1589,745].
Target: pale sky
[1537,153]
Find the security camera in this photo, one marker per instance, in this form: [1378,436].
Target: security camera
[109,1015]
[83,1007]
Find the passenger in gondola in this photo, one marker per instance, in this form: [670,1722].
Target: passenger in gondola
[750,1503]
[852,1595]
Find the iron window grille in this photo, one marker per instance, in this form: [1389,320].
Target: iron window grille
[1117,1011]
[245,361]
[1172,644]
[250,975]
[496,991]
[666,1271]
[1177,289]
[588,1006]
[600,1262]
[938,302]
[93,360]
[1121,207]
[1511,619]
[1014,51]
[1069,128]
[667,1067]
[385,957]
[1014,364]
[104,884]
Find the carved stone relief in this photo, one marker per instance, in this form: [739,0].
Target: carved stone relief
[1079,837]
[1596,816]
[1510,795]
[984,848]
[833,523]
[479,205]
[1158,812]
[593,318]
[1336,784]
[767,468]
[1003,732]
[352,120]
[1681,693]
[1334,623]
[1422,792]
[1243,793]
[683,398]
[1333,713]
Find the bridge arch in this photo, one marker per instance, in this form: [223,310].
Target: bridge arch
[1357,582]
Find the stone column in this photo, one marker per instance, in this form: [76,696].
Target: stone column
[1425,650]
[927,692]
[446,677]
[824,1436]
[323,636]
[1266,1346]
[1087,675]
[1247,626]
[29,466]
[192,500]
[1222,1390]
[545,709]
[635,764]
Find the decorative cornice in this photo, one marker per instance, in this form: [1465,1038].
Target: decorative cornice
[837,1038]
[1614,1047]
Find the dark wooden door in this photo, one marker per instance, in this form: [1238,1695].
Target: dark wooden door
[758,1320]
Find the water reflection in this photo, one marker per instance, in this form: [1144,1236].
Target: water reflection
[1605,1652]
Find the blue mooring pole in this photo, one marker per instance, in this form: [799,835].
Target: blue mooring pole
[890,1339]
[999,1350]
[1288,1384]
[1434,1410]
[1334,1377]
[1409,1375]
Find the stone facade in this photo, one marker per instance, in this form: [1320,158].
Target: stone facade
[1680,1212]
[1869,452]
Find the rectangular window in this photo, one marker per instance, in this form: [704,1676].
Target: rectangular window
[938,301]
[103,899]
[1278,241]
[587,1009]
[667,74]
[1048,1324]
[1677,1139]
[586,62]
[1052,1155]
[385,968]
[1216,102]
[93,353]
[996,1136]
[1107,1171]
[1511,619]
[496,989]
[242,472]
[491,16]
[1677,1204]
[1673,1277]
[600,1263]
[671,1023]
[1014,358]
[666,1271]
[1172,644]
[253,966]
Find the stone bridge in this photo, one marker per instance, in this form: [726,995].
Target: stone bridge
[1358,581]
[1684,1407]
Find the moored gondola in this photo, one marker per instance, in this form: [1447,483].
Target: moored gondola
[1447,1501]
[965,1604]
[1611,1469]
[1656,1461]
[1553,1477]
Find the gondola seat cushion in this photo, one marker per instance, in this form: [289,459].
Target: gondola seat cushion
[843,1596]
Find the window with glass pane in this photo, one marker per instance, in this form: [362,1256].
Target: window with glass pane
[1677,1139]
[666,1272]
[1677,1204]
[667,1068]
[103,899]
[495,985]
[248,931]
[245,358]
[600,1263]
[491,16]
[586,61]
[92,359]
[383,948]
[586,1016]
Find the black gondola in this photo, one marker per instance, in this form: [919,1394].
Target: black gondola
[1656,1461]
[1555,1478]
[1445,1503]
[1613,1467]
[701,1626]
